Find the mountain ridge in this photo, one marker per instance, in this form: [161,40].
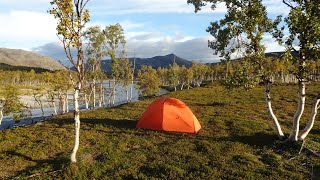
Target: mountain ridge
[155,62]
[22,58]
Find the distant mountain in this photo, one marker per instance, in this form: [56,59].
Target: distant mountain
[6,67]
[279,54]
[155,62]
[268,54]
[17,57]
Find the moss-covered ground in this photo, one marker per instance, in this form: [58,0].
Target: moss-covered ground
[237,141]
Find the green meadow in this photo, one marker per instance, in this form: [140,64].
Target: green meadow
[237,141]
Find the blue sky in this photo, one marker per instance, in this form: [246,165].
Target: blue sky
[152,27]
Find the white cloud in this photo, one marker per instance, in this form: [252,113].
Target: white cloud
[148,6]
[25,27]
[190,49]
[276,7]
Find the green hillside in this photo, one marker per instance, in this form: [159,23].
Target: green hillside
[237,141]
[6,67]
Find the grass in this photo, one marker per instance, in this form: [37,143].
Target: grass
[237,141]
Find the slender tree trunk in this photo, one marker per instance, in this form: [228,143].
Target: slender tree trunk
[127,93]
[109,94]
[60,102]
[131,91]
[310,123]
[76,124]
[132,78]
[182,85]
[67,101]
[86,99]
[302,98]
[101,95]
[94,93]
[114,92]
[63,104]
[1,114]
[54,107]
[41,107]
[273,116]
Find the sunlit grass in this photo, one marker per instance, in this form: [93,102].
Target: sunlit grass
[237,141]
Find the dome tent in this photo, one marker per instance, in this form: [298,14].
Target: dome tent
[169,114]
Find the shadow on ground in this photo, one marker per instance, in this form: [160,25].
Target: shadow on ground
[55,163]
[121,123]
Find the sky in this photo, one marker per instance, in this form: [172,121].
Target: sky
[152,27]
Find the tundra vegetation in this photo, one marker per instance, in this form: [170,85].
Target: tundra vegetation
[236,141]
[241,31]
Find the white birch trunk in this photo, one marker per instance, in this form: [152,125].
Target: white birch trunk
[127,94]
[114,92]
[100,95]
[132,78]
[131,91]
[1,114]
[310,123]
[296,119]
[273,116]
[103,96]
[63,104]
[76,124]
[54,107]
[67,101]
[94,93]
[182,85]
[86,99]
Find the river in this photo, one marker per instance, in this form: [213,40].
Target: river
[36,113]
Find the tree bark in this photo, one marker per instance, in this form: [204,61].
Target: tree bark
[63,104]
[182,85]
[274,118]
[127,93]
[86,99]
[114,92]
[67,101]
[310,123]
[76,124]
[131,91]
[1,114]
[296,119]
[54,107]
[100,95]
[94,93]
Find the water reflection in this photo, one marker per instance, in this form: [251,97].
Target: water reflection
[36,113]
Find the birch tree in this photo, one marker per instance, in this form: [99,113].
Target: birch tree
[132,79]
[72,18]
[115,49]
[96,50]
[173,75]
[241,31]
[148,81]
[303,24]
[127,77]
[249,18]
[11,103]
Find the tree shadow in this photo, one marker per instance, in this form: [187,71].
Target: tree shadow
[56,163]
[259,139]
[119,123]
[213,104]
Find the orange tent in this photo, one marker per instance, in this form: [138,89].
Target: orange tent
[169,114]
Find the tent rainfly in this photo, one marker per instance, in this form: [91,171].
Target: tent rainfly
[169,114]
